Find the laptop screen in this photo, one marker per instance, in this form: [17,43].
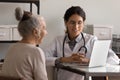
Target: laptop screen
[99,53]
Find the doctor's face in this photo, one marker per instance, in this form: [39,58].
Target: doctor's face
[74,26]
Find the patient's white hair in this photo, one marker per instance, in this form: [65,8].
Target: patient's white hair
[27,22]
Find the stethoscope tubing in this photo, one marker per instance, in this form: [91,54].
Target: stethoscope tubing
[79,48]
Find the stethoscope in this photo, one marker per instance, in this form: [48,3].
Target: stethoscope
[82,47]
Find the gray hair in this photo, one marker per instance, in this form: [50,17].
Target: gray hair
[27,23]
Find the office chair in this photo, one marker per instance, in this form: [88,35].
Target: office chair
[10,78]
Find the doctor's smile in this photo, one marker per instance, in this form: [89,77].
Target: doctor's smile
[74,25]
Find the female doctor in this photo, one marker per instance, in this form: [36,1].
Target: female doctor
[74,45]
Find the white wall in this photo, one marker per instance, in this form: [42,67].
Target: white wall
[106,12]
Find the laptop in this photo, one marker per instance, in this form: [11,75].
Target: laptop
[98,56]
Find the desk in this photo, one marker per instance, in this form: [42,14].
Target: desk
[36,2]
[108,70]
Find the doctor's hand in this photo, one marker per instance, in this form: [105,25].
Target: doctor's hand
[79,58]
[66,59]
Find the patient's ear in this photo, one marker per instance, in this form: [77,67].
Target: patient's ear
[35,32]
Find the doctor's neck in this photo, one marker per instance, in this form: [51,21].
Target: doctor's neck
[72,37]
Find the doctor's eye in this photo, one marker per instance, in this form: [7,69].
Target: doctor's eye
[80,22]
[72,23]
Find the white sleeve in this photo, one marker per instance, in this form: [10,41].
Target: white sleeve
[39,66]
[50,53]
[112,57]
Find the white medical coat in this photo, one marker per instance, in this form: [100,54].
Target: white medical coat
[55,50]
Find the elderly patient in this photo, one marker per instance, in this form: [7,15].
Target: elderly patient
[24,59]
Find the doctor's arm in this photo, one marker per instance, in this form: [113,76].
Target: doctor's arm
[50,53]
[112,57]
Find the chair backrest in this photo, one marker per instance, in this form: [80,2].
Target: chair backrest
[9,78]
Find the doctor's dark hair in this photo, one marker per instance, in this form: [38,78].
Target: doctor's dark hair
[74,10]
[27,22]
